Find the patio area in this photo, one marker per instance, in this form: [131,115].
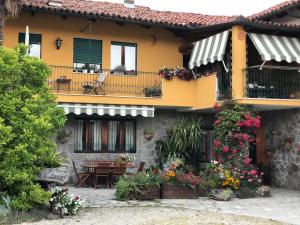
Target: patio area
[283,206]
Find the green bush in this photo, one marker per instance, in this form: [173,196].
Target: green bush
[132,186]
[29,120]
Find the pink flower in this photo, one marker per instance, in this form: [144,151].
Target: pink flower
[217,122]
[247,123]
[234,151]
[217,143]
[225,149]
[240,123]
[253,172]
[247,161]
[247,116]
[250,180]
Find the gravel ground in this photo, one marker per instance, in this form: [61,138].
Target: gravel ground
[154,216]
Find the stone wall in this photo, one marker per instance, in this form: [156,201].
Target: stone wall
[282,131]
[163,120]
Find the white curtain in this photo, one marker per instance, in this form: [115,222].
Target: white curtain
[78,135]
[97,135]
[129,135]
[113,134]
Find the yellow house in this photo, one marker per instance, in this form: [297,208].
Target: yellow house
[105,60]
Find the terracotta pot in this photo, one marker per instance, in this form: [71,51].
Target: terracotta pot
[149,136]
[178,192]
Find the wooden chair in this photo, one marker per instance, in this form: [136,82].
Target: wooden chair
[81,177]
[133,171]
[103,171]
[118,172]
[98,86]
[141,167]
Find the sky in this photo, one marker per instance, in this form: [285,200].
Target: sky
[210,7]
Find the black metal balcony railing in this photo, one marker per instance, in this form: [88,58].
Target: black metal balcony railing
[272,83]
[67,80]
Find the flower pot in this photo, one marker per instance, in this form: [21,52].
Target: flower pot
[148,136]
[246,192]
[222,194]
[56,210]
[92,71]
[150,192]
[178,192]
[84,71]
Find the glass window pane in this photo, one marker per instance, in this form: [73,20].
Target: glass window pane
[130,58]
[113,129]
[97,135]
[79,136]
[35,50]
[116,57]
[129,136]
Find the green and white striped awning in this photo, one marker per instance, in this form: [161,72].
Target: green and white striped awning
[278,48]
[111,110]
[210,49]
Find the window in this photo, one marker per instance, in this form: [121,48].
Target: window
[105,136]
[87,55]
[35,43]
[123,58]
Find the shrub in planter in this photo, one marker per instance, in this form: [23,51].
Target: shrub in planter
[142,186]
[264,191]
[222,194]
[177,183]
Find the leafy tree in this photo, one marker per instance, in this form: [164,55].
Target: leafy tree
[29,119]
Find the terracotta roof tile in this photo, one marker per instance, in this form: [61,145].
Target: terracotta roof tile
[137,14]
[275,9]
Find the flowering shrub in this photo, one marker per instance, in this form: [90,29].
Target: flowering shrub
[189,180]
[234,131]
[169,72]
[125,158]
[64,203]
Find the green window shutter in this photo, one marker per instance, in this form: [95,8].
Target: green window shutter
[123,44]
[87,51]
[33,38]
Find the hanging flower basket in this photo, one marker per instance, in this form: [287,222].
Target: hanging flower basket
[149,134]
[170,191]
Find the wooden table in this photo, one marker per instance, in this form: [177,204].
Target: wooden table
[63,80]
[92,169]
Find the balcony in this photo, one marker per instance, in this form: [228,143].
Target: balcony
[65,80]
[272,83]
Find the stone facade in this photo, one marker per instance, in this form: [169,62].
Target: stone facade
[145,150]
[282,131]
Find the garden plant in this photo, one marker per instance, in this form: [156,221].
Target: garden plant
[29,120]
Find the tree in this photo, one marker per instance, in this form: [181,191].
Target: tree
[29,120]
[8,9]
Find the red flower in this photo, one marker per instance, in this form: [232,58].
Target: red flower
[240,123]
[253,172]
[217,143]
[247,123]
[217,107]
[246,137]
[154,171]
[247,161]
[217,122]
[225,149]
[247,116]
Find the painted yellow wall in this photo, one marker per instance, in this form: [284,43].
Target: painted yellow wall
[239,58]
[151,56]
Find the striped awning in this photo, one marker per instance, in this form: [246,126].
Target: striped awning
[111,110]
[278,48]
[209,50]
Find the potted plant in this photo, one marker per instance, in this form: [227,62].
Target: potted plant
[92,68]
[124,158]
[178,184]
[64,204]
[166,72]
[141,186]
[149,133]
[85,68]
[154,91]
